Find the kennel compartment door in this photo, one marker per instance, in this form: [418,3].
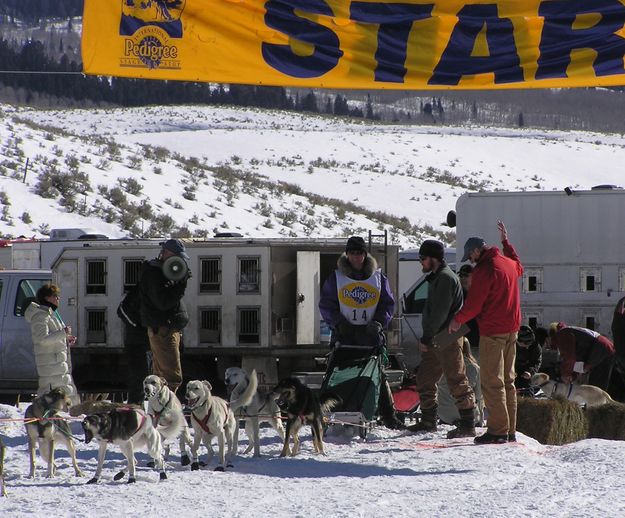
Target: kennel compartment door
[66,276]
[307,298]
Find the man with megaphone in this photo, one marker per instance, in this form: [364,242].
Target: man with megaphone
[163,312]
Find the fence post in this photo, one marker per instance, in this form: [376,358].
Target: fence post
[25,171]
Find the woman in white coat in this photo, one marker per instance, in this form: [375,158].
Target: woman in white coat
[51,340]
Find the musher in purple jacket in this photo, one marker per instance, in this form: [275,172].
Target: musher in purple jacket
[357,303]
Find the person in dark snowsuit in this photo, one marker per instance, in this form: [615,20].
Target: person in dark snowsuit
[163,313]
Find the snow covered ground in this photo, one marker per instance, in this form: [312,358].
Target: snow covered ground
[390,473]
[411,172]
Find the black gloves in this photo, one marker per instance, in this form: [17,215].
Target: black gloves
[374,328]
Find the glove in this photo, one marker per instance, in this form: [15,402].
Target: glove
[374,328]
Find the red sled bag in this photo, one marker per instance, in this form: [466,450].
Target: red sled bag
[406,400]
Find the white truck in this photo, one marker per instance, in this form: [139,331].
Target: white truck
[570,243]
[17,363]
[251,301]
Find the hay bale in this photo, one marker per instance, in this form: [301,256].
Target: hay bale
[606,421]
[551,421]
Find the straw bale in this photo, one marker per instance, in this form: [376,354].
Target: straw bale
[606,421]
[551,421]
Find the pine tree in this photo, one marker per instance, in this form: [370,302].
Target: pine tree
[369,109]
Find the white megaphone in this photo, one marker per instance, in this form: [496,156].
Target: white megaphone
[175,268]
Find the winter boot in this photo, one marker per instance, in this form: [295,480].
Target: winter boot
[465,426]
[387,409]
[427,423]
[489,438]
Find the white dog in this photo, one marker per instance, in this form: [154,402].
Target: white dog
[262,408]
[167,415]
[212,416]
[583,395]
[129,428]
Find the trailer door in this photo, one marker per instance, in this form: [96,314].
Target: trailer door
[307,304]
[66,274]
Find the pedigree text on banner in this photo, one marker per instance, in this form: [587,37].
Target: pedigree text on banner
[408,44]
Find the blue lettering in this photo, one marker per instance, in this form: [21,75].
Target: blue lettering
[281,16]
[457,61]
[395,22]
[559,38]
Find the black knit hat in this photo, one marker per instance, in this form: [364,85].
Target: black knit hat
[432,248]
[356,243]
[526,335]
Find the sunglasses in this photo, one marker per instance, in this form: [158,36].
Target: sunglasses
[423,257]
[355,252]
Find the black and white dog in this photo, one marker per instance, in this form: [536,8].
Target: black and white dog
[130,428]
[262,408]
[44,427]
[302,406]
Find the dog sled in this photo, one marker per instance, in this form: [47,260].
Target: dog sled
[354,373]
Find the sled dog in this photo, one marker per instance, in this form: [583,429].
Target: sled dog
[44,427]
[262,408]
[212,416]
[583,395]
[302,406]
[165,410]
[130,428]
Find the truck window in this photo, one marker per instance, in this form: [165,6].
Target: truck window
[249,275]
[414,300]
[26,293]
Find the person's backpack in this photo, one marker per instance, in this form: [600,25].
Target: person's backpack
[129,308]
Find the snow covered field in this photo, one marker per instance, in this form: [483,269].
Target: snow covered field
[411,172]
[390,474]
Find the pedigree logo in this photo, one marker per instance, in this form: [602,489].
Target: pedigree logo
[150,26]
[150,48]
[358,295]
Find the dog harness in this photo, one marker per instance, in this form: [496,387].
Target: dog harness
[555,388]
[204,422]
[129,409]
[156,416]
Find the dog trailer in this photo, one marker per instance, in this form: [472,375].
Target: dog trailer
[252,303]
[570,243]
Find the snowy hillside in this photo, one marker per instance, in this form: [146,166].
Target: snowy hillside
[390,474]
[194,171]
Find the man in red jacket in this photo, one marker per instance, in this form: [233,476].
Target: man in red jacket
[495,302]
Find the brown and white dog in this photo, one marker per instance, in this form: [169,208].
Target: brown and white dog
[212,416]
[130,428]
[302,406]
[165,410]
[583,395]
[44,427]
[262,408]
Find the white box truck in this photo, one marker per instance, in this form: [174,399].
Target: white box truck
[571,245]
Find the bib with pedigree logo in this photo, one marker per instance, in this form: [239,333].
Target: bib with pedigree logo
[358,300]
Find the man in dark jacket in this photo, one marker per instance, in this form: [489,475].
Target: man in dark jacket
[444,300]
[495,301]
[528,357]
[583,351]
[357,303]
[163,312]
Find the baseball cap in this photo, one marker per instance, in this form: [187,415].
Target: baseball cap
[471,244]
[176,247]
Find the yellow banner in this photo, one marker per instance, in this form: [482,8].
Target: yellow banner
[436,44]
